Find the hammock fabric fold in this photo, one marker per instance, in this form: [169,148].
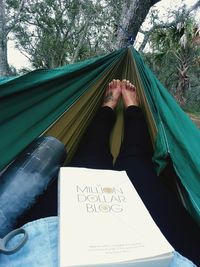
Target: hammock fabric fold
[62,102]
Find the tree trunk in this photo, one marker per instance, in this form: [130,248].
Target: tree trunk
[183,83]
[132,16]
[144,42]
[3,42]
[80,43]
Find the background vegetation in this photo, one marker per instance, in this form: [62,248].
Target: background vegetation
[52,33]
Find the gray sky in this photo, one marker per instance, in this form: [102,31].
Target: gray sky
[16,59]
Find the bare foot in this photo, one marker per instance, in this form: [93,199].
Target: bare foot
[129,94]
[112,94]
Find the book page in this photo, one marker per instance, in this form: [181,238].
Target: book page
[103,220]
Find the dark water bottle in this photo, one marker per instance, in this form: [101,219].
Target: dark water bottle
[27,178]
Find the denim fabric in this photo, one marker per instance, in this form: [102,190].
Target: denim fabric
[41,249]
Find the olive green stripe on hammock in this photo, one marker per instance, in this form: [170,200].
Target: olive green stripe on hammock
[63,101]
[32,103]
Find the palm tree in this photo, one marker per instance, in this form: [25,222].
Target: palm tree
[179,44]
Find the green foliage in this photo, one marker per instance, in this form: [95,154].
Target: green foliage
[193,95]
[53,33]
[166,71]
[50,30]
[175,58]
[12,71]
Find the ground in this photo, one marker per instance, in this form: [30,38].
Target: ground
[195,117]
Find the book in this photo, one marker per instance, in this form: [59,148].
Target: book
[103,222]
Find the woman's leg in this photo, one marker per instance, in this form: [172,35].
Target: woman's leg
[93,152]
[168,213]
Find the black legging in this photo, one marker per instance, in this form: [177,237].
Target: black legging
[135,158]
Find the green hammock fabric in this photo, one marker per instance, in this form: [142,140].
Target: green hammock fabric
[63,101]
[5,79]
[178,137]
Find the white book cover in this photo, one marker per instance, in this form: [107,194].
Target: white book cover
[103,222]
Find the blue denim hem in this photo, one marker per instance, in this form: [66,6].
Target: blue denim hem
[41,249]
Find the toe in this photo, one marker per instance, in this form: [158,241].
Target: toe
[128,85]
[118,84]
[123,84]
[132,87]
[111,84]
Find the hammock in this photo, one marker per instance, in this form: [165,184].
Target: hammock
[62,102]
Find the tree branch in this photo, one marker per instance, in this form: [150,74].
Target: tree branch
[149,32]
[16,18]
[80,43]
[162,26]
[195,6]
[23,53]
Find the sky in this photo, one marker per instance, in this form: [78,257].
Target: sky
[16,59]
